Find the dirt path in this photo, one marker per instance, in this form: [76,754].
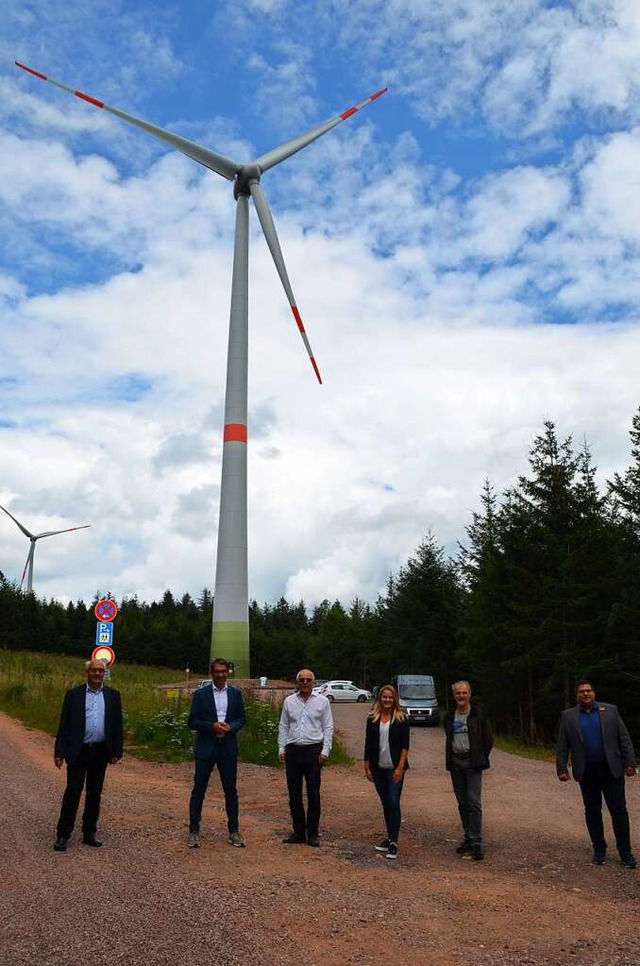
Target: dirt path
[146,899]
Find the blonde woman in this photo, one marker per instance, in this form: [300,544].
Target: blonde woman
[386,746]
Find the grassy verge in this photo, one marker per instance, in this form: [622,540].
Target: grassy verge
[514,747]
[32,686]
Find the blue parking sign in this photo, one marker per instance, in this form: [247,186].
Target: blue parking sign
[104,633]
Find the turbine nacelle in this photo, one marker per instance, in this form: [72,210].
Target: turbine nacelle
[247,175]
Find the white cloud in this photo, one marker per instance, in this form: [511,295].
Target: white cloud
[425,291]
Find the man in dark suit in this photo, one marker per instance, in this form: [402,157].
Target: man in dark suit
[217,714]
[594,736]
[89,738]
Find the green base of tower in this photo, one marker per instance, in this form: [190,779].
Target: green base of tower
[230,640]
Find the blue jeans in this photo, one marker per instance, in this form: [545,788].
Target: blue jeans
[389,792]
[467,785]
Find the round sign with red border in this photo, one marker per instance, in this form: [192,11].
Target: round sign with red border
[106,610]
[104,653]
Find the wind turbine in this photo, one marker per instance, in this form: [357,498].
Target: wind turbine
[34,537]
[230,628]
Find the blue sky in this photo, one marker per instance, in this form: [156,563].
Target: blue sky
[464,252]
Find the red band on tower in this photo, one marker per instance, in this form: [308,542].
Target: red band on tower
[235,433]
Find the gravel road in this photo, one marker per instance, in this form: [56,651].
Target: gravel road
[144,898]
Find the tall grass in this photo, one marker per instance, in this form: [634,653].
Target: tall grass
[32,686]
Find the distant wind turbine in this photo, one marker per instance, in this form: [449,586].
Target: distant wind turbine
[34,537]
[230,629]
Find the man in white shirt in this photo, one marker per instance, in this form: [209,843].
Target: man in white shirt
[305,734]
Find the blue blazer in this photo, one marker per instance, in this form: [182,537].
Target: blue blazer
[70,734]
[203,714]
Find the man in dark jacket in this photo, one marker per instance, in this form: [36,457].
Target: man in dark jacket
[217,714]
[468,746]
[89,738]
[595,737]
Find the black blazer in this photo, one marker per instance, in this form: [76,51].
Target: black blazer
[70,735]
[398,741]
[480,737]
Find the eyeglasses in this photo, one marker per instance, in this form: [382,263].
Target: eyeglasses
[586,691]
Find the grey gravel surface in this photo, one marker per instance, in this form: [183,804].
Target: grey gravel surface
[144,898]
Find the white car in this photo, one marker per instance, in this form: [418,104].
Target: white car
[318,686]
[344,691]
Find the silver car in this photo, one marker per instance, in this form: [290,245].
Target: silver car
[341,691]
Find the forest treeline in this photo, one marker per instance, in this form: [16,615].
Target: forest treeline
[545,589]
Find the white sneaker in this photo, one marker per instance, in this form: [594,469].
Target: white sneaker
[392,851]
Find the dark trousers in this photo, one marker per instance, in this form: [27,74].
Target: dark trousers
[467,786]
[228,769]
[597,782]
[88,769]
[303,762]
[389,793]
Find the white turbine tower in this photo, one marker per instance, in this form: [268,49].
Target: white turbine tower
[34,537]
[230,630]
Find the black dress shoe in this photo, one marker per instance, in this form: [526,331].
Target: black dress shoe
[91,840]
[313,841]
[293,839]
[61,844]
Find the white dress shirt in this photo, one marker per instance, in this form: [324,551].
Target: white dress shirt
[221,698]
[306,722]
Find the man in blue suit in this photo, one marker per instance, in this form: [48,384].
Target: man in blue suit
[217,714]
[89,738]
[596,739]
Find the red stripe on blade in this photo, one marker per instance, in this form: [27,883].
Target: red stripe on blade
[379,93]
[91,100]
[30,70]
[297,317]
[346,114]
[235,433]
[316,370]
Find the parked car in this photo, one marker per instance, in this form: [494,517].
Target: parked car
[344,691]
[320,682]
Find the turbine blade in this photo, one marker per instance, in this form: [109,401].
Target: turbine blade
[52,533]
[271,235]
[28,561]
[18,524]
[275,156]
[222,165]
